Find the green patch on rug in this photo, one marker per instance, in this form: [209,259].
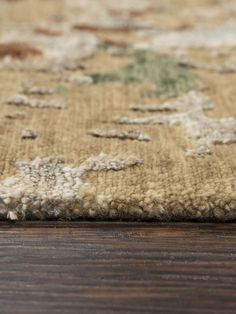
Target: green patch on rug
[169,78]
[61,89]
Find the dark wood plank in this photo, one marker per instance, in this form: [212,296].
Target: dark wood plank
[117,268]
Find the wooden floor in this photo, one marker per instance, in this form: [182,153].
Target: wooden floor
[117,268]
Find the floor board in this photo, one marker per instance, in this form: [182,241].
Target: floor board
[117,268]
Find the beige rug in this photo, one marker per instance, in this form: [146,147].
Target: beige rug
[118,110]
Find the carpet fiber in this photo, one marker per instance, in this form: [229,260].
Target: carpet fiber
[117,110]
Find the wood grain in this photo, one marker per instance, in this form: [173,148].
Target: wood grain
[117,268]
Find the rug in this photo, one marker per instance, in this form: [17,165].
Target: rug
[118,110]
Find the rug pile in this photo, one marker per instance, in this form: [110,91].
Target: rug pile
[117,110]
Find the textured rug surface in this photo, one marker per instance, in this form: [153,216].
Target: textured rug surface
[118,109]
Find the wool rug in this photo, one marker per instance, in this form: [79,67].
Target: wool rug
[117,110]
